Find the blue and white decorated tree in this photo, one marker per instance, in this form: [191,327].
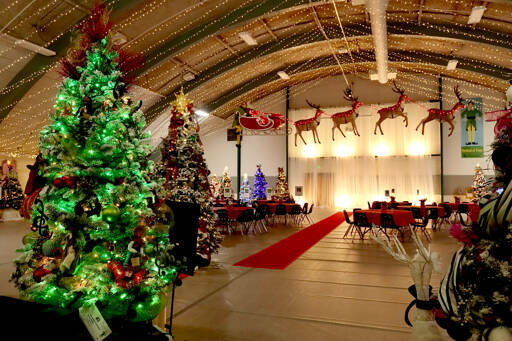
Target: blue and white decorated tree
[259,191]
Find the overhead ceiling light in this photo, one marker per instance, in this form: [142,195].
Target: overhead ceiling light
[35,48]
[283,75]
[476,14]
[119,39]
[249,40]
[452,64]
[358,2]
[374,75]
[189,76]
[202,113]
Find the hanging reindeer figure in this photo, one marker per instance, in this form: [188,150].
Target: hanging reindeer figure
[394,111]
[421,267]
[309,124]
[443,115]
[348,116]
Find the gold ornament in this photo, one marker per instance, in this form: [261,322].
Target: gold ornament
[182,101]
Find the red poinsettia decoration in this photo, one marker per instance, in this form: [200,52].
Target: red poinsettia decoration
[466,236]
[97,25]
[129,62]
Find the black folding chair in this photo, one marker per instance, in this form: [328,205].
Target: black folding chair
[246,220]
[421,222]
[224,220]
[463,209]
[433,215]
[259,218]
[281,212]
[447,213]
[387,222]
[351,227]
[303,213]
[361,223]
[308,215]
[295,212]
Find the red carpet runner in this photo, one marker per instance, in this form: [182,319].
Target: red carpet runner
[284,252]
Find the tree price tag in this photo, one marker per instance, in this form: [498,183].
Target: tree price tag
[94,322]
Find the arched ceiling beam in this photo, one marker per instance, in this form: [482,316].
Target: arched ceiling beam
[35,69]
[258,11]
[315,43]
[223,107]
[236,18]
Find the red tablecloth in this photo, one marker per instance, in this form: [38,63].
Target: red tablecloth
[401,217]
[440,210]
[272,207]
[474,209]
[375,203]
[233,212]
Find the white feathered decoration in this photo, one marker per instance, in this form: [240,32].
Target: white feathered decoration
[421,267]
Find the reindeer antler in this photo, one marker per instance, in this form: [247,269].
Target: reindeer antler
[312,105]
[397,89]
[457,93]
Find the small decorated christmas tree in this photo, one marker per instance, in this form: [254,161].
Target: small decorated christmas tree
[281,191]
[478,183]
[225,185]
[259,191]
[10,188]
[245,190]
[186,173]
[93,242]
[215,186]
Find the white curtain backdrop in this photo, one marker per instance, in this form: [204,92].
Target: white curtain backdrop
[346,173]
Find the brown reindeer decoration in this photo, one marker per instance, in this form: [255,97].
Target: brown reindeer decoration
[393,111]
[308,124]
[443,115]
[348,116]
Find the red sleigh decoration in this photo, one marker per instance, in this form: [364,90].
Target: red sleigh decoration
[257,120]
[503,119]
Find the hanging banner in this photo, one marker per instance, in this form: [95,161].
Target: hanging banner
[472,128]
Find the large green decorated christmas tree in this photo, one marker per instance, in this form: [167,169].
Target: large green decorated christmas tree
[186,173]
[93,242]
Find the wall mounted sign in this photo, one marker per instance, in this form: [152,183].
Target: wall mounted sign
[472,128]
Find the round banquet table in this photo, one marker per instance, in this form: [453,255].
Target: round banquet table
[233,212]
[272,206]
[400,217]
[440,210]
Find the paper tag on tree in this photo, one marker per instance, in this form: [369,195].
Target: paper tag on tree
[94,322]
[135,261]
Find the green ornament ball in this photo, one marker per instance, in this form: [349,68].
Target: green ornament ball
[161,228]
[30,238]
[150,248]
[49,248]
[110,213]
